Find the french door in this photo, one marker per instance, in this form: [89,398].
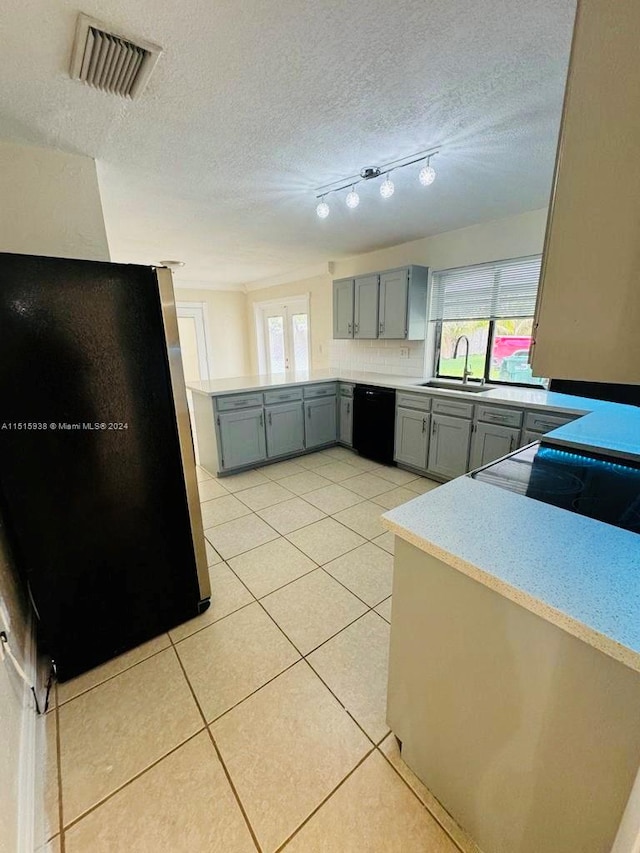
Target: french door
[285,335]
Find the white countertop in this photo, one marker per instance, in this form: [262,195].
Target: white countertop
[611,427]
[531,398]
[578,573]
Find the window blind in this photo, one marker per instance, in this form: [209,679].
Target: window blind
[493,290]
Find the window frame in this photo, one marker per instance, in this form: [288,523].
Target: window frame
[487,361]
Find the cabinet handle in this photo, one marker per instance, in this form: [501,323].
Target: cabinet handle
[511,443]
[433,428]
[381,328]
[270,421]
[356,327]
[348,408]
[349,328]
[309,413]
[424,425]
[261,419]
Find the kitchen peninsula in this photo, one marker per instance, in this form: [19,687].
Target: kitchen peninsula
[514,681]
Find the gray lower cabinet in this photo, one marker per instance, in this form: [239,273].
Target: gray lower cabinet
[449,446]
[412,437]
[320,425]
[242,439]
[366,306]
[345,434]
[284,428]
[490,442]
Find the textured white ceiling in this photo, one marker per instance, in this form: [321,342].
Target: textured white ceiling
[254,103]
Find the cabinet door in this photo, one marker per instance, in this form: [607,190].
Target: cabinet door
[588,311]
[343,308]
[449,446]
[320,422]
[490,442]
[285,429]
[412,437]
[346,421]
[242,440]
[394,293]
[366,306]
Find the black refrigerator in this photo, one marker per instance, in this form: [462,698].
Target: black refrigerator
[98,488]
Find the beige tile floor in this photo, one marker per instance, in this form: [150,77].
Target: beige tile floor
[259,725]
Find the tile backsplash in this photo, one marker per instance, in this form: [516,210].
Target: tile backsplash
[378,357]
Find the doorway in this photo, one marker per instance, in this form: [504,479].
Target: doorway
[193,341]
[283,335]
[192,332]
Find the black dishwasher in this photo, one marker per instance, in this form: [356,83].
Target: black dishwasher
[374,414]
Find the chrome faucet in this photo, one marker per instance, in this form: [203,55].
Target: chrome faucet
[466,373]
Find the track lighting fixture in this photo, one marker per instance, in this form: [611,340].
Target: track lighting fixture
[426,176]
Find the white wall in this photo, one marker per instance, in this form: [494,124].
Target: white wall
[513,237]
[50,204]
[225,319]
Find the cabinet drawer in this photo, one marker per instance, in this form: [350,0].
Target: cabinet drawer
[346,390]
[238,401]
[542,422]
[326,390]
[414,401]
[498,415]
[285,396]
[453,407]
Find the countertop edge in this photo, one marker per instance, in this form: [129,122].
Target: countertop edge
[534,605]
[407,384]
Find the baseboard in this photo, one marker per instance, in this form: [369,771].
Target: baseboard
[27,799]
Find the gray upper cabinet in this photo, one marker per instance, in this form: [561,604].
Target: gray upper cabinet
[285,429]
[394,294]
[449,446]
[403,304]
[343,308]
[242,439]
[412,437]
[366,306]
[320,425]
[490,442]
[388,305]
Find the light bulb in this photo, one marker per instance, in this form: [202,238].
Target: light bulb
[353,199]
[387,188]
[323,210]
[427,175]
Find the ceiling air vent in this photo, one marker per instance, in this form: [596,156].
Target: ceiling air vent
[110,61]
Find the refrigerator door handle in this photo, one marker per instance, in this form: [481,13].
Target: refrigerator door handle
[187,456]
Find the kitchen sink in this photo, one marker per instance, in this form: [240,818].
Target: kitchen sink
[457,386]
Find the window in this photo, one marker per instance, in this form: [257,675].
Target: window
[492,306]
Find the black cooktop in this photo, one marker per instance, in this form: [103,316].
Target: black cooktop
[600,487]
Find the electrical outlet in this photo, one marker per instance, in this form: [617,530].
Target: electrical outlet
[404,352]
